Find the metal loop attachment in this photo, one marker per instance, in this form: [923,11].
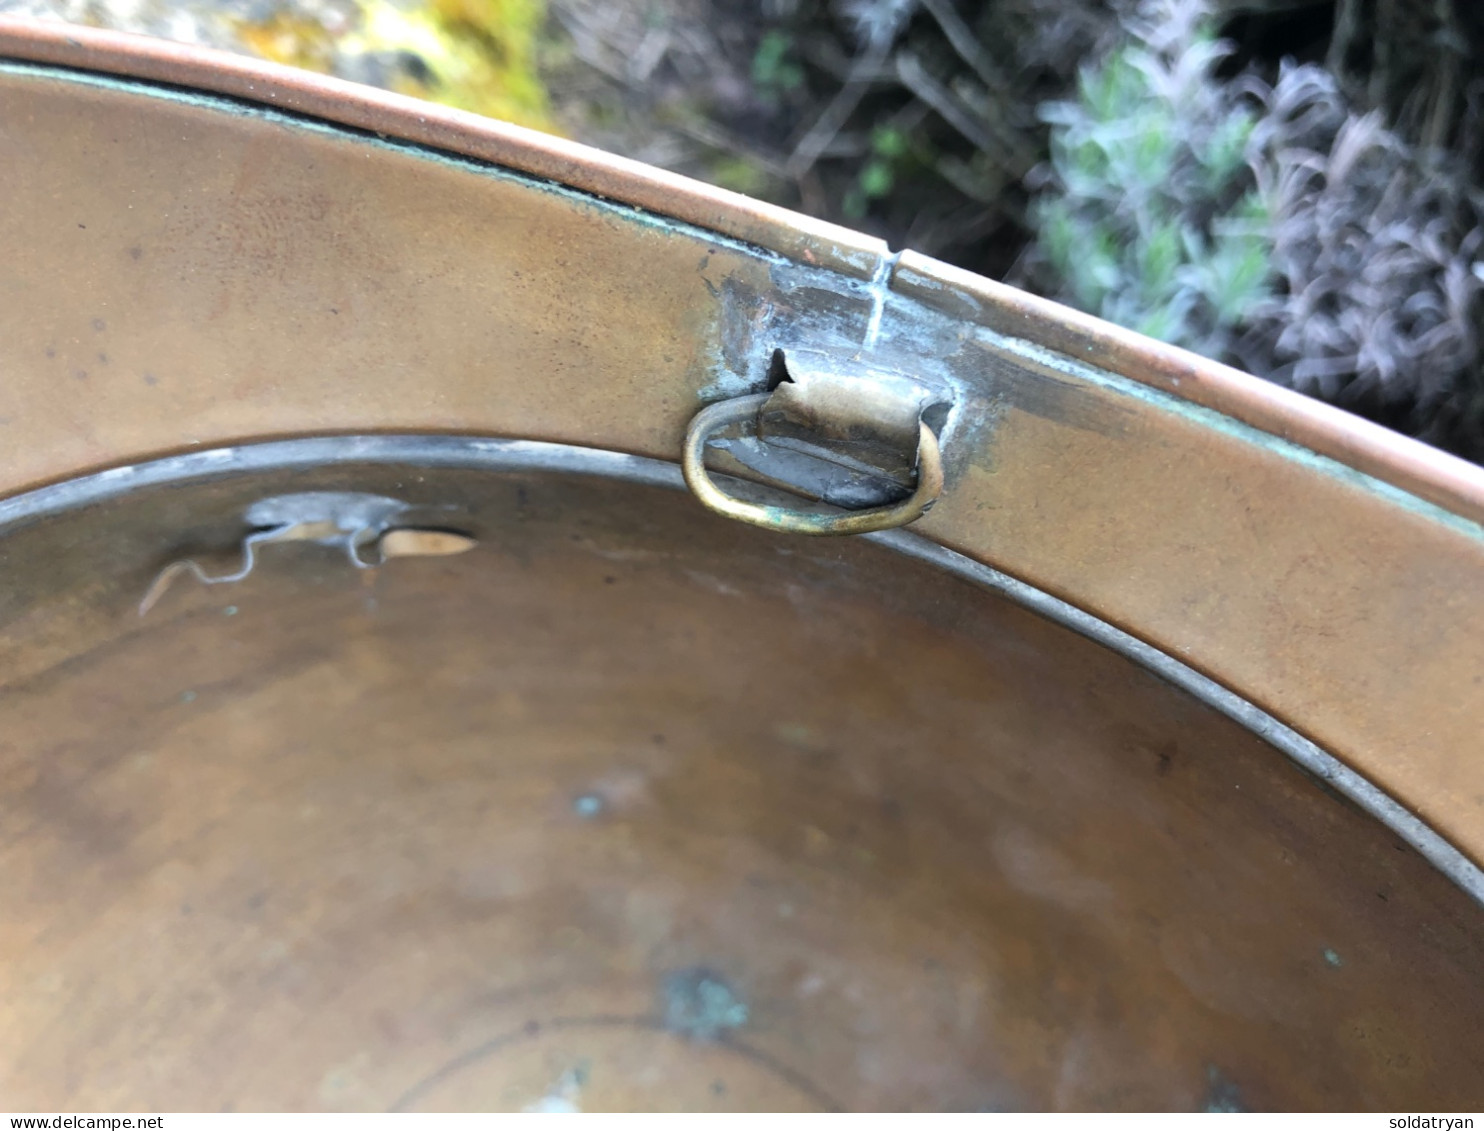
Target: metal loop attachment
[714,418]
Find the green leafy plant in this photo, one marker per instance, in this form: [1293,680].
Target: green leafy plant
[890,147]
[1149,214]
[774,70]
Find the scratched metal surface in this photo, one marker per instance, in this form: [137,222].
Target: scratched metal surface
[634,808]
[185,271]
[1424,471]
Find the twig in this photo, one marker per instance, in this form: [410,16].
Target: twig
[916,79]
[709,133]
[648,55]
[631,77]
[1381,71]
[812,196]
[960,226]
[969,49]
[828,57]
[1445,95]
[1347,27]
[961,176]
[862,74]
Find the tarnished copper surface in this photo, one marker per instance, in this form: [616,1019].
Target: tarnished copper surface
[1424,471]
[456,131]
[1427,472]
[633,807]
[415,818]
[183,273]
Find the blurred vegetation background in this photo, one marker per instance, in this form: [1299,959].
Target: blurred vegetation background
[1292,186]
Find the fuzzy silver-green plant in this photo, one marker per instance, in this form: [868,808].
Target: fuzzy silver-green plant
[1375,246]
[1272,227]
[1149,216]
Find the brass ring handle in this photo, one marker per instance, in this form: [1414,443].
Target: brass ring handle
[716,417]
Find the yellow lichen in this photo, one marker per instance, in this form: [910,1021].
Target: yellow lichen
[478,55]
[284,37]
